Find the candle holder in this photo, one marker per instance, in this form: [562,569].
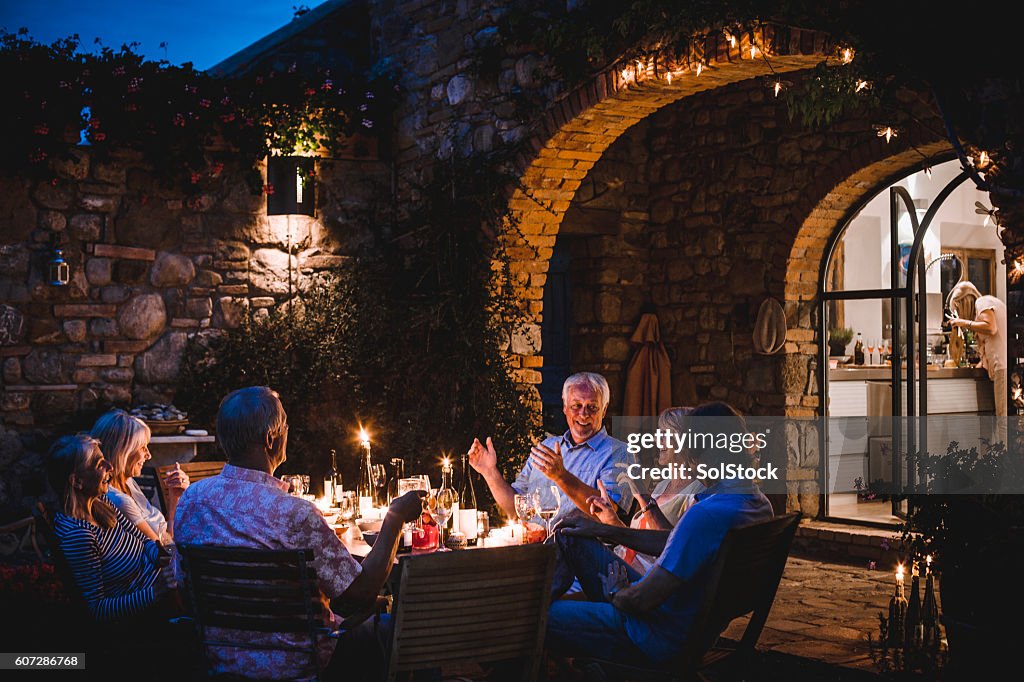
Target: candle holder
[910,639]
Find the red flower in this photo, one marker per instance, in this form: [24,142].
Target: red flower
[205,103]
[94,122]
[194,177]
[41,129]
[99,137]
[310,92]
[227,118]
[216,169]
[268,189]
[179,120]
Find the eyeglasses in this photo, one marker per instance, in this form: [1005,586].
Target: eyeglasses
[589,408]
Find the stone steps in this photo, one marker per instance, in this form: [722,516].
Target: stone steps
[847,543]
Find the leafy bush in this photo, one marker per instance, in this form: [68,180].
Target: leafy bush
[408,341]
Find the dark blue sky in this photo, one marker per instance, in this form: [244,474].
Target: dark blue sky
[201,31]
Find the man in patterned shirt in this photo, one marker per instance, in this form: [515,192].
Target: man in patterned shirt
[246,506]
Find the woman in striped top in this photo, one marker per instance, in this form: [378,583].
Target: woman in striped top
[116,567]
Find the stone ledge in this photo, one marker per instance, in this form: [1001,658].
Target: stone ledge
[39,388]
[128,252]
[84,310]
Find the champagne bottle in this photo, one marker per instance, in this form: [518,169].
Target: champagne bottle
[912,624]
[365,489]
[397,474]
[858,350]
[467,503]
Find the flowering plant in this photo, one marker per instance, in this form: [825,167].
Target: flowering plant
[36,581]
[174,115]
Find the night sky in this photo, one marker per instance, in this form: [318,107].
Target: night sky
[201,31]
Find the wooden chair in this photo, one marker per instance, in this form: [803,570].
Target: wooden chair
[472,605]
[44,523]
[196,471]
[743,580]
[259,591]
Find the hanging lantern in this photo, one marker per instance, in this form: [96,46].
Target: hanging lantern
[58,272]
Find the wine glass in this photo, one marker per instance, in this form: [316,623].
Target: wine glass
[871,351]
[547,506]
[347,504]
[445,500]
[526,509]
[380,479]
[294,482]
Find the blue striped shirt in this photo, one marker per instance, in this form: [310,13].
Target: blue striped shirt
[115,568]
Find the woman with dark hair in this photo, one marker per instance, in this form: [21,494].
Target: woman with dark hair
[119,571]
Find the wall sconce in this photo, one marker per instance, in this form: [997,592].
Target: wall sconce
[58,272]
[293,183]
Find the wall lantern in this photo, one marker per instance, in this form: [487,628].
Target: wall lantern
[58,272]
[292,185]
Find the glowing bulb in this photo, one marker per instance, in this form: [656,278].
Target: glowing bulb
[861,84]
[983,159]
[847,55]
[626,76]
[778,88]
[700,67]
[753,51]
[668,77]
[730,37]
[364,437]
[888,132]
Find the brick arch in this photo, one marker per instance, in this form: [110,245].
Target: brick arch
[579,128]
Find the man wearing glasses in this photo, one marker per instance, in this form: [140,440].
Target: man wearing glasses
[577,463]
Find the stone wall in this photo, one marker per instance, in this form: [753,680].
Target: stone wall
[149,268]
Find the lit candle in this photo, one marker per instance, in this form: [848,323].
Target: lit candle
[323,504]
[364,441]
[928,565]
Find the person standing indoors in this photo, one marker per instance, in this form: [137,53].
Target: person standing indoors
[986,317]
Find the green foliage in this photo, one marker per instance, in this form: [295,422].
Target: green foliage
[966,508]
[841,335]
[173,114]
[829,93]
[407,341]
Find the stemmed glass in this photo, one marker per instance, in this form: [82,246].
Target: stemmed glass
[547,507]
[871,352]
[526,509]
[380,478]
[445,500]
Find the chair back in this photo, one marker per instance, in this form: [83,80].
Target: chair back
[743,579]
[472,605]
[44,523]
[253,590]
[196,471]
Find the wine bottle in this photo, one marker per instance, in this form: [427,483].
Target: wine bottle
[858,350]
[467,503]
[397,474]
[332,479]
[365,490]
[912,624]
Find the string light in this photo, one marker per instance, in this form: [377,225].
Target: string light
[1015,274]
[928,172]
[700,67]
[861,84]
[846,56]
[983,159]
[888,132]
[730,37]
[753,51]
[778,87]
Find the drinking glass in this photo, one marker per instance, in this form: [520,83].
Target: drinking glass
[547,507]
[380,479]
[305,483]
[526,509]
[347,502]
[445,500]
[294,482]
[871,352]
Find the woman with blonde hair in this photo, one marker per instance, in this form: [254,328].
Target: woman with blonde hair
[118,570]
[124,440]
[660,509]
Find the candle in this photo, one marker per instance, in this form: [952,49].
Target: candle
[366,510]
[407,535]
[928,565]
[323,504]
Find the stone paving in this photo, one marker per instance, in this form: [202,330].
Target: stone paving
[825,612]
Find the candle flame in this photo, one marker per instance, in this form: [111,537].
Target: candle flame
[861,84]
[700,67]
[847,55]
[446,463]
[364,437]
[668,76]
[778,88]
[899,572]
[983,160]
[753,51]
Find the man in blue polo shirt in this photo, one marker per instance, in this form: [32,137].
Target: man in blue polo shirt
[574,461]
[637,619]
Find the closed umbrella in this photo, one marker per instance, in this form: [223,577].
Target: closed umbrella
[649,375]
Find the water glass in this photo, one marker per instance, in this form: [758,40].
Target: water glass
[294,482]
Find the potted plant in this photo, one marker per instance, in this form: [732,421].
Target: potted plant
[968,515]
[838,339]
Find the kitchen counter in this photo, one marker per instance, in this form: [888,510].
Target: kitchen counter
[884,373]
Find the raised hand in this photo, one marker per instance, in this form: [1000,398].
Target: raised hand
[548,461]
[409,506]
[483,459]
[177,479]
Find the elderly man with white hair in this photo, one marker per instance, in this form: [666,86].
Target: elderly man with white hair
[580,461]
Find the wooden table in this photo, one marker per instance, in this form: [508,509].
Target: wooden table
[352,538]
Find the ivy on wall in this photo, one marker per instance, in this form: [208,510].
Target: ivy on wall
[174,115]
[407,340]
